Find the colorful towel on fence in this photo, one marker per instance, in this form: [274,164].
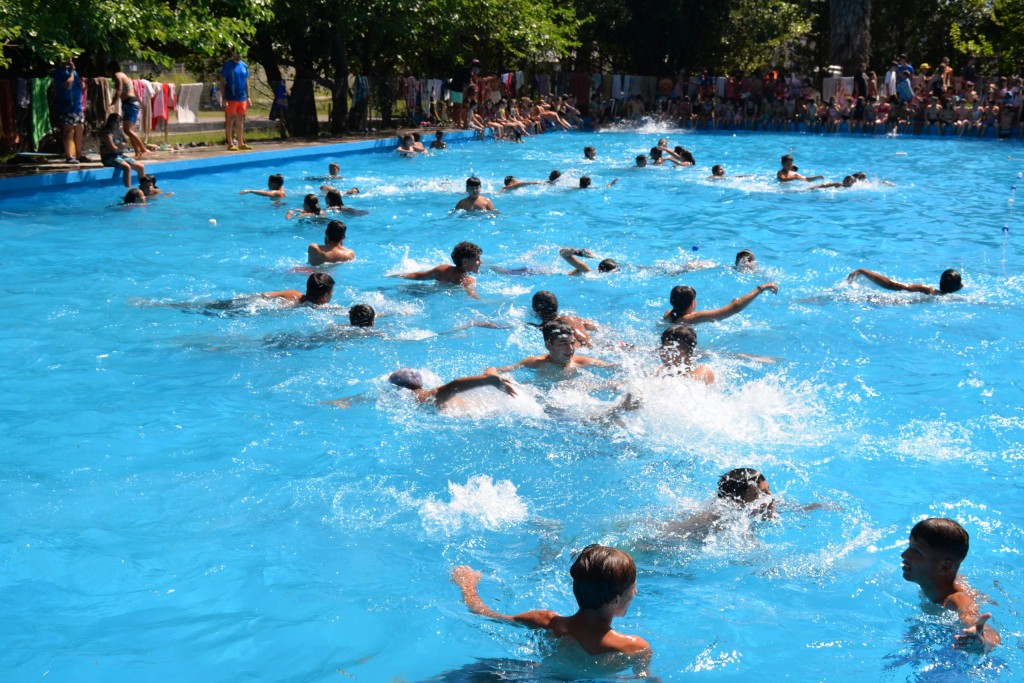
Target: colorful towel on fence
[40,110]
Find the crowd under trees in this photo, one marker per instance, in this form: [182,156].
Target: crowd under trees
[320,42]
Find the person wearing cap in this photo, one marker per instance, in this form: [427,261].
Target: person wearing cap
[949,282]
[560,341]
[447,395]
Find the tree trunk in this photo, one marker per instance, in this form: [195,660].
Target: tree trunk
[302,115]
[850,33]
[339,65]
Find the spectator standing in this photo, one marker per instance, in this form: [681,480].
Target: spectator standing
[69,110]
[234,84]
[457,90]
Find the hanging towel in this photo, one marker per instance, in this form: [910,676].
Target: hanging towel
[144,91]
[40,110]
[188,102]
[159,104]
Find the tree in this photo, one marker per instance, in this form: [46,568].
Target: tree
[850,33]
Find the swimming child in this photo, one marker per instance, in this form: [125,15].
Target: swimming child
[545,305]
[932,559]
[439,142]
[475,201]
[949,282]
[684,305]
[560,342]
[604,585]
[446,395]
[333,249]
[275,188]
[573,256]
[466,257]
[310,208]
[319,290]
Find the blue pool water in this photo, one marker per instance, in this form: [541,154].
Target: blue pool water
[177,503]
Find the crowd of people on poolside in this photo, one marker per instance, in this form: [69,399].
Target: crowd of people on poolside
[904,99]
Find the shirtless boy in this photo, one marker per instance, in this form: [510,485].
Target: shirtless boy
[446,394]
[603,583]
[466,257]
[513,183]
[333,249]
[573,256]
[936,548]
[475,201]
[560,341]
[545,305]
[275,188]
[788,172]
[677,346]
[684,305]
[124,89]
[319,290]
[949,282]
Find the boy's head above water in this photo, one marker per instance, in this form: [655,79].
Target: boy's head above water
[601,576]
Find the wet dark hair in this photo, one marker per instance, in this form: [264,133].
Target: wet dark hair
[600,574]
[464,250]
[135,196]
[362,315]
[717,170]
[334,200]
[318,287]
[333,168]
[787,157]
[417,137]
[553,329]
[588,150]
[686,154]
[944,535]
[472,181]
[276,179]
[112,123]
[509,179]
[681,297]
[641,160]
[609,265]
[554,175]
[655,153]
[738,484]
[335,231]
[585,182]
[744,255]
[950,282]
[545,305]
[311,203]
[682,337]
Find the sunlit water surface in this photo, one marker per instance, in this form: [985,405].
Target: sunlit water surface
[178,504]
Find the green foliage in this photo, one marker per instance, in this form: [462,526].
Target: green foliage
[157,31]
[763,33]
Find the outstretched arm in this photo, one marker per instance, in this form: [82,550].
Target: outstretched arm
[572,256]
[888,283]
[421,275]
[467,580]
[732,308]
[469,284]
[457,386]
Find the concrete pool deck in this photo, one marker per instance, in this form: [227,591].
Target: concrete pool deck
[30,177]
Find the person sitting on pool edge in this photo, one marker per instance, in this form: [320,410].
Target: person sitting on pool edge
[466,257]
[560,341]
[319,290]
[443,396]
[677,346]
[275,188]
[333,249]
[684,304]
[572,256]
[788,172]
[604,585]
[475,201]
[936,548]
[545,305]
[949,282]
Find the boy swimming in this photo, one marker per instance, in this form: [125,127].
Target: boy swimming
[604,584]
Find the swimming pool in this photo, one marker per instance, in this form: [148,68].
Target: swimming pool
[177,502]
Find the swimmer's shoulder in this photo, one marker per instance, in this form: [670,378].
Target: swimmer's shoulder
[625,644]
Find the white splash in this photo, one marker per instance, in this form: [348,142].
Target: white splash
[481,502]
